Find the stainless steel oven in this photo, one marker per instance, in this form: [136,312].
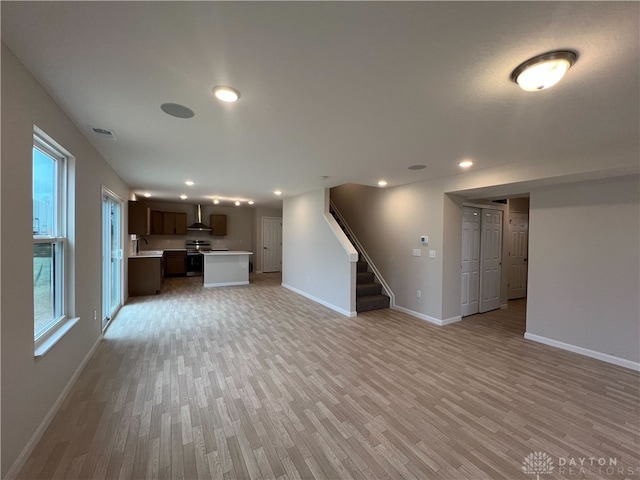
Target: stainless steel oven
[195,259]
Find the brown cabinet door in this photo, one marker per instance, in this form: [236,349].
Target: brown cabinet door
[181,223]
[138,218]
[218,224]
[169,227]
[157,223]
[175,264]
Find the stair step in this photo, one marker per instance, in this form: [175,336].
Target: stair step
[372,302]
[362,266]
[366,289]
[364,277]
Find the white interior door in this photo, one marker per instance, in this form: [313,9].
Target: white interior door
[490,259]
[470,260]
[518,253]
[271,244]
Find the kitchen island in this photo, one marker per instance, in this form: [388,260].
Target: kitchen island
[222,269]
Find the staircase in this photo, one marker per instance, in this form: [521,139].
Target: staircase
[369,295]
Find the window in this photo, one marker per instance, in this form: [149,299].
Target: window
[50,241]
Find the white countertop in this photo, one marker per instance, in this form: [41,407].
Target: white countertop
[230,252]
[148,254]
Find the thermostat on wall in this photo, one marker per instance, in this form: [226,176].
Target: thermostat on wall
[424,240]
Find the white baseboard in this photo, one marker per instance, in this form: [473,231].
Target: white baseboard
[258,271]
[584,351]
[37,435]
[225,284]
[321,302]
[422,316]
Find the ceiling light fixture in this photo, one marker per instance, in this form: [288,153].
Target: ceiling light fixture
[216,201]
[417,167]
[278,192]
[465,163]
[543,71]
[183,197]
[146,195]
[226,94]
[382,183]
[190,183]
[251,202]
[237,203]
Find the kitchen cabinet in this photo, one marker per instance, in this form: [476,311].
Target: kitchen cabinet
[138,218]
[168,223]
[145,275]
[218,224]
[175,263]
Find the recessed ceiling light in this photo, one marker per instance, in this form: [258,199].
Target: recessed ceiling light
[177,110]
[226,94]
[543,71]
[183,197]
[417,167]
[237,203]
[190,183]
[146,195]
[278,192]
[382,183]
[251,202]
[465,163]
[216,201]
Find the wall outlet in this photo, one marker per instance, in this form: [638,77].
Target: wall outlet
[95,314]
[418,293]
[432,254]
[417,252]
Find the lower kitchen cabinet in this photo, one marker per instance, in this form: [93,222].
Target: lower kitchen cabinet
[175,264]
[145,275]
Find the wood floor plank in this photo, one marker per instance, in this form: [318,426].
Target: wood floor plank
[257,382]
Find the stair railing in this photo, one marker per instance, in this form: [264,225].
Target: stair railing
[363,252]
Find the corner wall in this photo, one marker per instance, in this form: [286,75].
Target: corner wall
[315,262]
[30,386]
[584,263]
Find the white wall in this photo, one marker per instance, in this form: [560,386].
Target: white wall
[584,266]
[30,386]
[315,262]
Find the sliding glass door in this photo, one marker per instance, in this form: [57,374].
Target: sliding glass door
[112,280]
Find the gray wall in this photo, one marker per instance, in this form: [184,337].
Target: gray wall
[30,387]
[315,262]
[584,266]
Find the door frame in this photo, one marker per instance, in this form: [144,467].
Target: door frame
[105,304]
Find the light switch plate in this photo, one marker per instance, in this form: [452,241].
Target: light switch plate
[417,252]
[432,254]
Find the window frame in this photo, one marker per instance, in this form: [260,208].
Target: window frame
[63,320]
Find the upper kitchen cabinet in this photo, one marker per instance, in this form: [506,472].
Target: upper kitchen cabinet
[138,218]
[168,223]
[218,224]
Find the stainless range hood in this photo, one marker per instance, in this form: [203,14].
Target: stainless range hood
[199,226]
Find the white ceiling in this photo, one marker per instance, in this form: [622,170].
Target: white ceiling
[354,91]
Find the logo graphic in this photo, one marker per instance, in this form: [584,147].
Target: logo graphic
[537,463]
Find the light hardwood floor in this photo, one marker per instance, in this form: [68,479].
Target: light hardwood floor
[256,382]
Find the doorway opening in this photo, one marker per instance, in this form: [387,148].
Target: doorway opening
[494,260]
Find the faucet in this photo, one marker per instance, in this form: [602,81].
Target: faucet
[138,244]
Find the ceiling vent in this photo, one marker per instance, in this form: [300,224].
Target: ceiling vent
[104,133]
